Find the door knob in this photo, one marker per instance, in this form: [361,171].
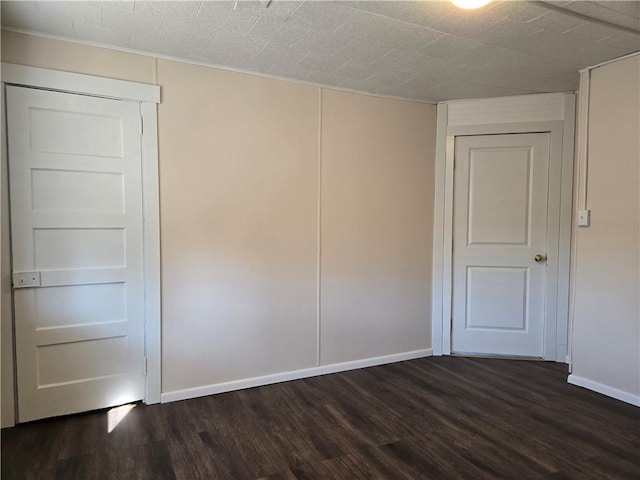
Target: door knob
[540,257]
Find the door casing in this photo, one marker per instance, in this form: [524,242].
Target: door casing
[541,113]
[148,96]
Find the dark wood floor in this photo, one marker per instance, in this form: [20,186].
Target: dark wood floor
[439,418]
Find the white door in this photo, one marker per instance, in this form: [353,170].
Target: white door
[501,185]
[76,231]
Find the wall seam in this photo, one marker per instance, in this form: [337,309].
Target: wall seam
[155,71]
[319,238]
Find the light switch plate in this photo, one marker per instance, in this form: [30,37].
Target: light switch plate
[26,279]
[584,218]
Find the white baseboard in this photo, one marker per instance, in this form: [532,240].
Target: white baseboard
[604,389]
[294,375]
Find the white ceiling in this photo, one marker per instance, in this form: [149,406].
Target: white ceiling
[427,50]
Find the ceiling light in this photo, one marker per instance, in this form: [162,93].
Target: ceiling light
[470,4]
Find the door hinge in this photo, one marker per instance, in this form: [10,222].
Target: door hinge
[144,365]
[141,126]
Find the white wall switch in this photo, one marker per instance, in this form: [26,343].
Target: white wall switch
[584,217]
[26,279]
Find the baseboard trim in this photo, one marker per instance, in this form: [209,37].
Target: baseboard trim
[604,390]
[205,390]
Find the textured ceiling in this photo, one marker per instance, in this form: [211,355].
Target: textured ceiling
[426,50]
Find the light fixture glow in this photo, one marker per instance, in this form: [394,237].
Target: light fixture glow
[470,4]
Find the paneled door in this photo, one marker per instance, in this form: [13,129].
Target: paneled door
[77,251]
[501,185]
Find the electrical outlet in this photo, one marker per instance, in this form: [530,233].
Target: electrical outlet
[584,218]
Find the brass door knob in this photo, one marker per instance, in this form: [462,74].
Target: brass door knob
[540,257]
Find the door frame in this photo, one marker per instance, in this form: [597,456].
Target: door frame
[548,113]
[147,96]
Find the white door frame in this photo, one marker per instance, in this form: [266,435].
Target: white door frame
[553,113]
[148,96]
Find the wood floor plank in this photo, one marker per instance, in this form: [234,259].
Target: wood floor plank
[420,461]
[193,459]
[439,417]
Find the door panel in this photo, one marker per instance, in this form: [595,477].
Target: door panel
[499,219]
[65,191]
[484,285]
[76,220]
[500,224]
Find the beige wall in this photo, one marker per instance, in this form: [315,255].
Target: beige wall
[606,336]
[238,192]
[72,57]
[377,217]
[240,158]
